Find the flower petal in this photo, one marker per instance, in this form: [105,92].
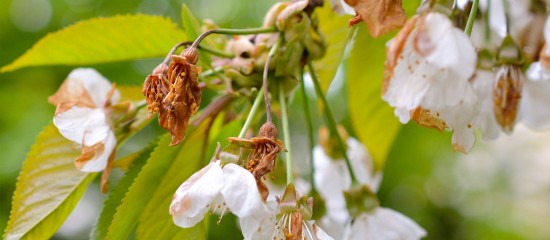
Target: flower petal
[259,226]
[331,179]
[483,85]
[385,223]
[83,125]
[240,191]
[361,162]
[95,84]
[194,197]
[535,102]
[95,159]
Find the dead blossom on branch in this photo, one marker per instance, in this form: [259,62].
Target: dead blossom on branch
[261,160]
[174,93]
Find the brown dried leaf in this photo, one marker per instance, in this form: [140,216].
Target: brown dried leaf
[382,16]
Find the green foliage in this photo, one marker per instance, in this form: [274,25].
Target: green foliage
[155,222]
[48,188]
[101,40]
[163,161]
[118,193]
[334,28]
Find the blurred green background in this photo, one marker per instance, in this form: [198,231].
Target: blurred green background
[499,191]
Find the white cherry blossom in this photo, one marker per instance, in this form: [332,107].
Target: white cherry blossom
[332,178]
[384,224]
[281,221]
[216,187]
[428,68]
[82,116]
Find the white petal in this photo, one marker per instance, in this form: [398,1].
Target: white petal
[259,226]
[314,232]
[453,49]
[461,119]
[483,85]
[361,162]
[385,224]
[333,227]
[331,179]
[82,125]
[193,198]
[547,35]
[342,7]
[99,162]
[96,85]
[537,73]
[240,191]
[535,104]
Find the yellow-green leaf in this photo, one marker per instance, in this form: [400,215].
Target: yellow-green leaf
[147,183]
[335,29]
[48,187]
[372,118]
[155,222]
[101,40]
[115,196]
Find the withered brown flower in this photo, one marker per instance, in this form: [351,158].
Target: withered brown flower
[175,93]
[507,95]
[382,16]
[265,148]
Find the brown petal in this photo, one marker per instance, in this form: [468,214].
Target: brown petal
[155,89]
[507,96]
[294,231]
[382,16]
[71,93]
[183,99]
[88,153]
[394,50]
[107,172]
[426,119]
[545,58]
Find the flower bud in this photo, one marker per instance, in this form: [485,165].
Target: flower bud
[191,55]
[360,199]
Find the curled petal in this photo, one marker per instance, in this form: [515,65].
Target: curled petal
[85,87]
[95,157]
[193,198]
[382,16]
[240,191]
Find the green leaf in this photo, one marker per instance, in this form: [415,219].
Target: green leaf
[373,119]
[48,187]
[101,40]
[116,195]
[148,182]
[155,222]
[335,29]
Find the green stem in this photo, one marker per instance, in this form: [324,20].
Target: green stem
[216,52]
[264,84]
[252,113]
[311,140]
[471,18]
[210,72]
[330,120]
[245,31]
[286,135]
[507,15]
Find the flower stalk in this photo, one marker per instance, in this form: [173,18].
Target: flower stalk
[309,124]
[264,84]
[286,134]
[330,120]
[245,31]
[471,18]
[253,111]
